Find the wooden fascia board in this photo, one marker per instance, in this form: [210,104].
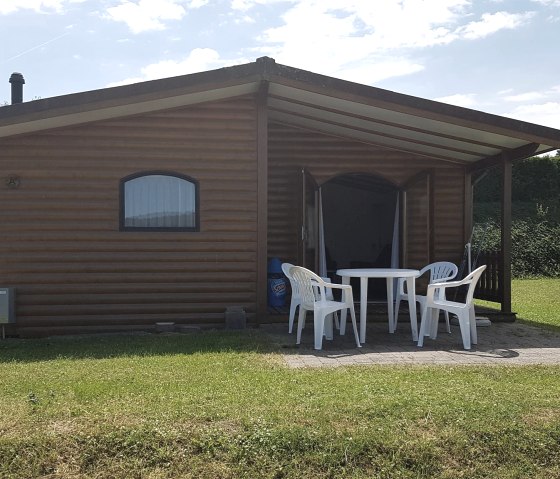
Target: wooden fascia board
[59,120]
[136,92]
[520,153]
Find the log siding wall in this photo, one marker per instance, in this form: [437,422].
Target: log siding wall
[61,245]
[290,149]
[75,271]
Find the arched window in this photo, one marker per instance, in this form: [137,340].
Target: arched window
[159,201]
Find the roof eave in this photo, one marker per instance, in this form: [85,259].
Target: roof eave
[237,80]
[151,94]
[412,105]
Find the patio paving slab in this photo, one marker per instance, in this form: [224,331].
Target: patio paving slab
[498,344]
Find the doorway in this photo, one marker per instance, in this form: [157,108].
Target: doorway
[359,226]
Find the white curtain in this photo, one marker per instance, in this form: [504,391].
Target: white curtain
[322,249]
[395,244]
[159,201]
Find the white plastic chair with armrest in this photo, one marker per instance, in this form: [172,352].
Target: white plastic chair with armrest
[464,311]
[314,298]
[296,296]
[439,272]
[330,297]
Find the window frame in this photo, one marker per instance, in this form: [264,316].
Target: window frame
[173,174]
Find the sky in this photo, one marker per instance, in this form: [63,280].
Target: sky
[498,56]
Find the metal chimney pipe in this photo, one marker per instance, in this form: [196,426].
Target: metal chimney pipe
[17,82]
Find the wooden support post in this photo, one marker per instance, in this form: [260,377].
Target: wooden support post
[505,285]
[468,212]
[262,200]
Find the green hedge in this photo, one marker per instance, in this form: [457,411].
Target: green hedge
[535,213]
[535,246]
[535,179]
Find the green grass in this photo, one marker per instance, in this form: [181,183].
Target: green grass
[536,301]
[223,405]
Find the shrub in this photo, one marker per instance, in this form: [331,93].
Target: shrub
[535,246]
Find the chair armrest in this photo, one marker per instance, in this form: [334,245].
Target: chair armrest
[446,284]
[424,270]
[337,286]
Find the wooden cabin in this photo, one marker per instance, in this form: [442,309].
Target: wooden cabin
[249,147]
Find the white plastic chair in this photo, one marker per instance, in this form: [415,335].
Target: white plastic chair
[439,272]
[314,297]
[296,296]
[330,297]
[464,311]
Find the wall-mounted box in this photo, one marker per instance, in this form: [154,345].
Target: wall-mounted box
[7,305]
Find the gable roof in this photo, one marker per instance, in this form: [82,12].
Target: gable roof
[306,100]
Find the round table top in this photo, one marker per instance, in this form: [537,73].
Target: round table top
[378,272]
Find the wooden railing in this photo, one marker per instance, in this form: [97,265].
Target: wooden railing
[488,287]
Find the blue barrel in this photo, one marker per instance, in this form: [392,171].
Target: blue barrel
[277,284]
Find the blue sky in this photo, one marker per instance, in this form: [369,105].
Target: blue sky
[490,55]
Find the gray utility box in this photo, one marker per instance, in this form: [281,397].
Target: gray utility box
[235,317]
[7,301]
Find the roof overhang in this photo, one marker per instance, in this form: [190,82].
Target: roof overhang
[307,100]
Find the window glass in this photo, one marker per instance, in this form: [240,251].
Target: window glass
[159,201]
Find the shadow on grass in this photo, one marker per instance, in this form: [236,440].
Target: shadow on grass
[550,327]
[101,346]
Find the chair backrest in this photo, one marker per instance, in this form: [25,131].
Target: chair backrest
[440,271]
[472,280]
[286,270]
[305,281]
[295,291]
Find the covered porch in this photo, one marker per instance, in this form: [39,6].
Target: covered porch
[328,145]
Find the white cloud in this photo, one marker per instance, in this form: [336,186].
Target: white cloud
[149,15]
[377,70]
[547,114]
[528,96]
[336,38]
[493,22]
[245,5]
[40,6]
[467,100]
[199,59]
[244,19]
[146,14]
[548,3]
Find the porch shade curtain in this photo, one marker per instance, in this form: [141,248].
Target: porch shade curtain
[159,201]
[322,248]
[395,244]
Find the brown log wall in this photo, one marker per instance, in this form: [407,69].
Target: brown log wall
[61,245]
[290,149]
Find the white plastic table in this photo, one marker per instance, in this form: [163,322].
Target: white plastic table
[389,274]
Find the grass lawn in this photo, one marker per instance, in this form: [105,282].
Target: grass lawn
[223,405]
[535,301]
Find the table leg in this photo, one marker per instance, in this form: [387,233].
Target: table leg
[344,312]
[390,305]
[411,288]
[363,308]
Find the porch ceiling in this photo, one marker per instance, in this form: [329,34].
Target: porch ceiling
[416,133]
[306,100]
